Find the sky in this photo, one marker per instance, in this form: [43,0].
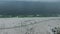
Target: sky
[29,0]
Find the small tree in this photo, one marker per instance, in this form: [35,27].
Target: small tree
[56,30]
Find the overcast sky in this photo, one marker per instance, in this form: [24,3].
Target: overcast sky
[32,0]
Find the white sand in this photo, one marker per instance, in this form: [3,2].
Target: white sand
[28,25]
